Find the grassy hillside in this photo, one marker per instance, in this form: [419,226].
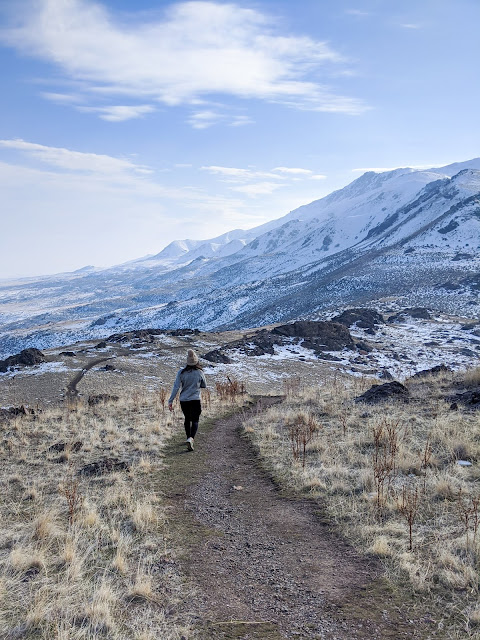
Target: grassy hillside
[85,550]
[381,470]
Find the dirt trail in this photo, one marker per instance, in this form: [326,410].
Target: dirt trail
[268,566]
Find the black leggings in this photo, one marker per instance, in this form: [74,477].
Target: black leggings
[191,410]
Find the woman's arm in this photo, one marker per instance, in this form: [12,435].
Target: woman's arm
[176,387]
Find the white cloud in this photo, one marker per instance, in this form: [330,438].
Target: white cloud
[318,176]
[198,49]
[234,174]
[357,12]
[61,98]
[75,160]
[204,119]
[293,170]
[119,113]
[411,26]
[240,121]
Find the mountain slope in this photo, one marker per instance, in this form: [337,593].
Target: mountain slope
[409,234]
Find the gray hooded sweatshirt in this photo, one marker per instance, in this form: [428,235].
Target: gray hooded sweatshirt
[190,382]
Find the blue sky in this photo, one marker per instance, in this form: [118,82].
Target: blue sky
[127,124]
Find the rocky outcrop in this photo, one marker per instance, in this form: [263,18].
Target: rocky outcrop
[26,358]
[217,356]
[380,392]
[105,465]
[363,318]
[101,398]
[425,373]
[330,336]
[418,313]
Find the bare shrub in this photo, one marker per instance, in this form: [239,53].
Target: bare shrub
[408,507]
[70,489]
[385,440]
[230,389]
[301,432]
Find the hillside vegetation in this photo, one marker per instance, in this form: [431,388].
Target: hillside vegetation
[85,550]
[401,478]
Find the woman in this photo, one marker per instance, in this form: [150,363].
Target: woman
[189,380]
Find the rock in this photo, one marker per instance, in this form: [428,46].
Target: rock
[363,318]
[101,398]
[331,336]
[26,358]
[217,356]
[454,406]
[105,465]
[144,335]
[419,313]
[385,375]
[20,411]
[59,447]
[109,367]
[67,354]
[425,373]
[259,344]
[363,346]
[101,345]
[183,332]
[379,393]
[468,398]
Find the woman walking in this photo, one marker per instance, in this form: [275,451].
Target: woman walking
[189,381]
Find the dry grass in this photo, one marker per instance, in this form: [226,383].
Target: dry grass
[90,556]
[389,477]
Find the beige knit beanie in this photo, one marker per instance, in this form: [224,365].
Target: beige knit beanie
[192,358]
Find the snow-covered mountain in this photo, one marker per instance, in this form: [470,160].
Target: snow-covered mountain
[406,234]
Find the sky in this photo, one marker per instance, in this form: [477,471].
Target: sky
[126,124]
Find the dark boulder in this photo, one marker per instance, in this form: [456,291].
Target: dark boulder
[26,358]
[20,411]
[67,354]
[105,465]
[183,332]
[259,344]
[330,336]
[60,447]
[468,398]
[363,318]
[418,313]
[425,373]
[101,345]
[101,398]
[380,392]
[143,335]
[217,356]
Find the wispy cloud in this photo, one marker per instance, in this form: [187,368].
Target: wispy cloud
[76,161]
[204,119]
[293,170]
[318,176]
[119,113]
[411,25]
[196,50]
[239,175]
[357,12]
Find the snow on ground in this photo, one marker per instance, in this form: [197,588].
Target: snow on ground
[38,369]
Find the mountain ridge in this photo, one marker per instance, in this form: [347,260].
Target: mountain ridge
[396,233]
